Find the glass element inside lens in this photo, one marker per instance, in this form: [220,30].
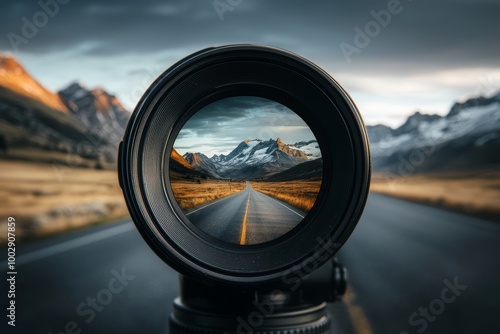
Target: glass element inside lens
[245,170]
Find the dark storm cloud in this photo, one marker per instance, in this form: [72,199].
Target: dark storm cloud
[237,114]
[426,56]
[427,31]
[219,127]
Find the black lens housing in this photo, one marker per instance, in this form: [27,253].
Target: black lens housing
[245,70]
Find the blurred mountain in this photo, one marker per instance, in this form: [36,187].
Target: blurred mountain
[467,138]
[378,132]
[97,109]
[77,125]
[14,78]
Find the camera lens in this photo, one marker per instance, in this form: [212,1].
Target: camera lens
[245,170]
[245,164]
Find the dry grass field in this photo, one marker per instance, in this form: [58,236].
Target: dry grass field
[46,198]
[300,193]
[190,193]
[473,193]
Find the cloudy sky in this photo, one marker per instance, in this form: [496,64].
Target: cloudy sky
[220,126]
[423,56]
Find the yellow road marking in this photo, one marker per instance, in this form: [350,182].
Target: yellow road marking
[358,317]
[243,237]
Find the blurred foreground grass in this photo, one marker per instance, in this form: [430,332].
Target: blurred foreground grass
[475,193]
[46,198]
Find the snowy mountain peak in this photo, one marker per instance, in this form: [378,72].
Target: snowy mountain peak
[468,137]
[310,148]
[479,101]
[251,159]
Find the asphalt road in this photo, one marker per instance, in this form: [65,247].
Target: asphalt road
[245,218]
[401,257]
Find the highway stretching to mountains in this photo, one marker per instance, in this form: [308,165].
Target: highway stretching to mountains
[406,261]
[245,218]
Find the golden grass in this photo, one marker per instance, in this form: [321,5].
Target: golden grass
[473,193]
[45,198]
[301,194]
[191,193]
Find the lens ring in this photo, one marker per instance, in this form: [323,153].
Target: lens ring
[246,70]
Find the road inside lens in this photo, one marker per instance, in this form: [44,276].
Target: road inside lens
[246,218]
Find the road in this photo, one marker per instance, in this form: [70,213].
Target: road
[245,218]
[401,257]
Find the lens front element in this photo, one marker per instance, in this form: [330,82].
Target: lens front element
[245,170]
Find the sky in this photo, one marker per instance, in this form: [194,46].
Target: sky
[220,126]
[393,57]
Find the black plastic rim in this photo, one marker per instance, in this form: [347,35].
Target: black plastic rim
[236,70]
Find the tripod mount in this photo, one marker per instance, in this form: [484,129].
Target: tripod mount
[296,306]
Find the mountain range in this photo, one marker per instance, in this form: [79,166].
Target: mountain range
[75,121]
[467,138]
[38,124]
[253,159]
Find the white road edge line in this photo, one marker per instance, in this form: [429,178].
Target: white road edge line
[71,244]
[298,214]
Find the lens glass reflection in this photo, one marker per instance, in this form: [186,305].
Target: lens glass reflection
[245,169]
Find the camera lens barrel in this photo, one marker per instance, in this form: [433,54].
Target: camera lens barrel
[260,81]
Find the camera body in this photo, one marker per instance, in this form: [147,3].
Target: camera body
[277,209]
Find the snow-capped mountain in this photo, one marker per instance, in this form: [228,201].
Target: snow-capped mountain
[310,148]
[250,159]
[468,137]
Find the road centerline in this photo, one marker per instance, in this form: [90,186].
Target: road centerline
[244,224]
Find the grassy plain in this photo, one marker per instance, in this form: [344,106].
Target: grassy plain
[301,194]
[191,193]
[48,198]
[476,193]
